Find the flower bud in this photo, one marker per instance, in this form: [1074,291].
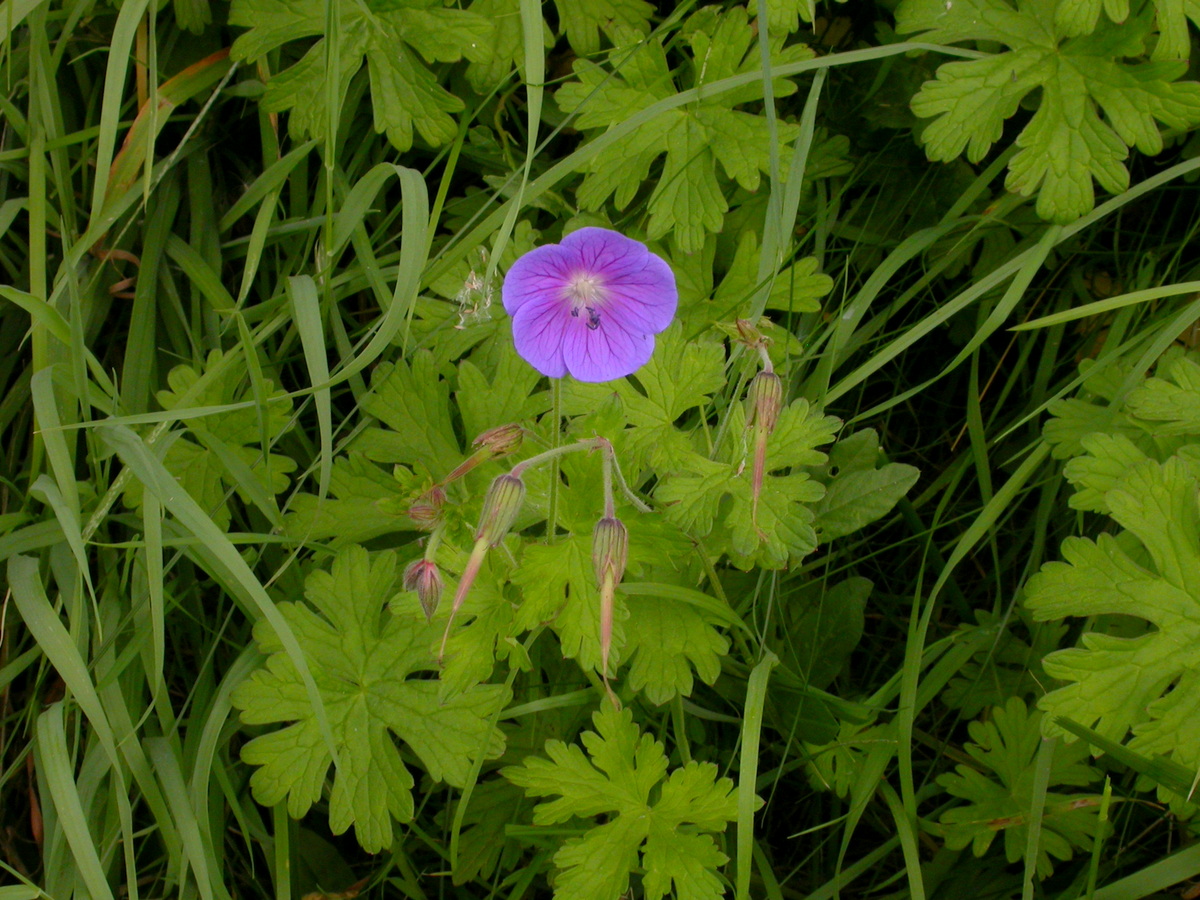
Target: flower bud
[750,335]
[501,440]
[610,549]
[423,576]
[764,401]
[426,510]
[500,508]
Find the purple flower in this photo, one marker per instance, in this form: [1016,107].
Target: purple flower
[590,305]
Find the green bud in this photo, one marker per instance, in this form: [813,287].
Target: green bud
[500,508]
[610,549]
[764,401]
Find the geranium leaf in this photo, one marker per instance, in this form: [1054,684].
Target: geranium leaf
[619,780]
[362,658]
[1093,106]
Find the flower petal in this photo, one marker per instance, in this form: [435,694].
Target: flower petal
[539,324]
[639,286]
[540,274]
[631,297]
[604,353]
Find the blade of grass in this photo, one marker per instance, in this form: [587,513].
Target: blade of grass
[747,799]
[154,476]
[54,758]
[1042,764]
[119,54]
[306,312]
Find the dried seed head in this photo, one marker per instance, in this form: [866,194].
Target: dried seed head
[501,440]
[610,549]
[500,508]
[764,401]
[423,576]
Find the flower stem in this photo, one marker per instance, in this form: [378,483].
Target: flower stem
[474,562]
[610,508]
[585,444]
[555,439]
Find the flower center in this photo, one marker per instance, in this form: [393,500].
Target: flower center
[586,293]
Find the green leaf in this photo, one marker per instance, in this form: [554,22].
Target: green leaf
[364,502]
[1147,682]
[785,16]
[558,585]
[229,446]
[583,23]
[665,640]
[619,781]
[1000,790]
[366,663]
[680,376]
[824,626]
[784,529]
[414,404]
[392,35]
[503,396]
[483,842]
[798,288]
[856,492]
[504,49]
[1093,104]
[688,200]
[1006,666]
[1081,16]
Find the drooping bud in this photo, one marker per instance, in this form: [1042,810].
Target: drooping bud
[500,508]
[423,576]
[501,440]
[426,510]
[749,334]
[610,549]
[764,401]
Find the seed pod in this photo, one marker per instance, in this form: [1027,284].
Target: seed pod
[424,577]
[500,508]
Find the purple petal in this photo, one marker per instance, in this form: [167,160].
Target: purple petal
[639,285]
[611,336]
[541,273]
[604,353]
[538,331]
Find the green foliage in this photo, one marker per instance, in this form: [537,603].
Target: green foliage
[999,788]
[688,199]
[1008,666]
[584,23]
[391,35]
[858,488]
[1094,104]
[653,823]
[1143,680]
[363,659]
[681,376]
[228,450]
[783,530]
